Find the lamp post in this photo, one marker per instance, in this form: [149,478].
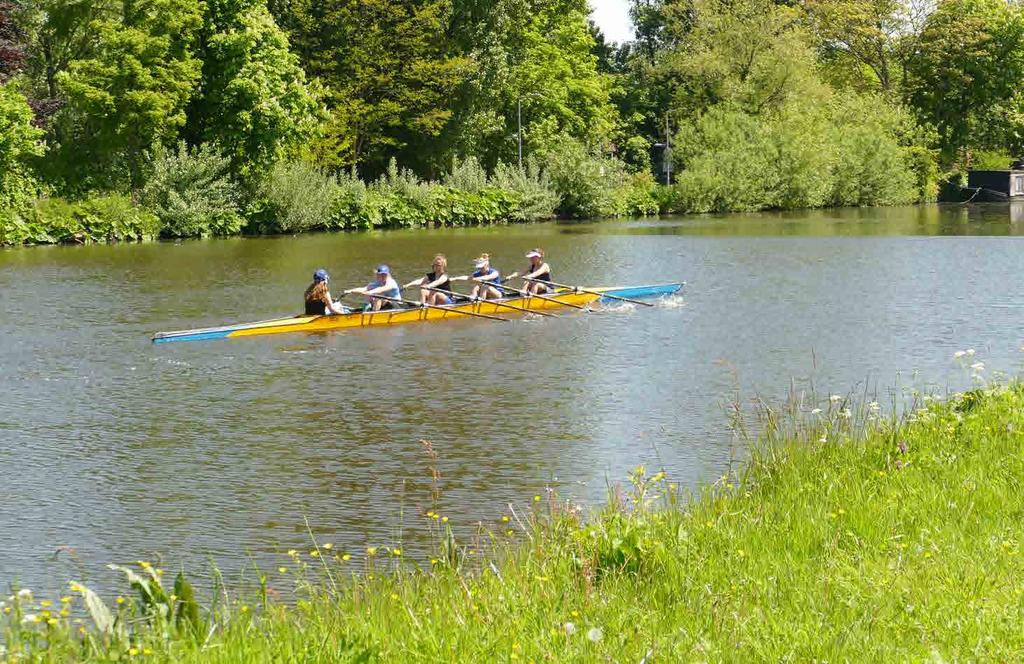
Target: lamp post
[519,121]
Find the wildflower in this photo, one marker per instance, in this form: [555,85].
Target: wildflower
[52,622]
[65,600]
[120,600]
[740,553]
[504,518]
[81,630]
[394,596]
[957,355]
[371,550]
[75,588]
[970,352]
[435,516]
[314,553]
[327,547]
[293,553]
[7,609]
[147,652]
[574,613]
[430,514]
[846,413]
[30,618]
[874,407]
[595,634]
[64,613]
[244,609]
[434,561]
[472,552]
[396,552]
[835,398]
[144,565]
[823,439]
[282,570]
[444,519]
[133,651]
[536,499]
[25,594]
[346,557]
[659,476]
[978,366]
[509,532]
[815,411]
[569,628]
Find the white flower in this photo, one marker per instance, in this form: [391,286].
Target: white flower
[957,355]
[835,398]
[569,628]
[815,411]
[846,413]
[970,352]
[28,619]
[874,407]
[595,634]
[823,439]
[978,366]
[25,594]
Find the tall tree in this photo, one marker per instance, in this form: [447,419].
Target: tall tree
[19,143]
[255,100]
[965,75]
[130,95]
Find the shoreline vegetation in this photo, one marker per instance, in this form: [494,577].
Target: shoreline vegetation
[847,535]
[123,122]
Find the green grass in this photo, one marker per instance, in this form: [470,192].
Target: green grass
[896,541]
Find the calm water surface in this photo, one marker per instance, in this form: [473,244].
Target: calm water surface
[120,449]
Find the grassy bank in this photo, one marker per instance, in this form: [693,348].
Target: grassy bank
[846,537]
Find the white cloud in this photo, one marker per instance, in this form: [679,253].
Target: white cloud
[612,16]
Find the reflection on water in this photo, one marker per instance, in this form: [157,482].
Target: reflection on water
[122,449]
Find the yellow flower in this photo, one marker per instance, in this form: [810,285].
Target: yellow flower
[472,552]
[144,565]
[120,600]
[430,514]
[504,518]
[45,614]
[314,553]
[509,532]
[434,561]
[45,603]
[435,516]
[575,614]
[65,613]
[282,570]
[346,557]
[444,519]
[65,600]
[81,630]
[147,651]
[292,552]
[842,511]
[536,499]
[371,550]
[133,651]
[75,588]
[394,596]
[51,622]
[244,609]
[397,552]
[328,546]
[7,609]
[740,553]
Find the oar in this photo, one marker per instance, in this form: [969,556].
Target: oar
[412,303]
[525,294]
[494,302]
[584,290]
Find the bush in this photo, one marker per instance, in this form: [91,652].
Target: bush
[110,218]
[192,193]
[537,196]
[19,142]
[298,197]
[586,182]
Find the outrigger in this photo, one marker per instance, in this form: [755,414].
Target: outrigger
[570,297]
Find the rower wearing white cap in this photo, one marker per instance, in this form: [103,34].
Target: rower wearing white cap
[538,275]
[485,273]
[384,285]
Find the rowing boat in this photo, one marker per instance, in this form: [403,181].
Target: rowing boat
[559,298]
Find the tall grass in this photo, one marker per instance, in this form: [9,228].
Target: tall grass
[845,536]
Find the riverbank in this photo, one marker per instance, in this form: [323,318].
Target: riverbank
[845,537]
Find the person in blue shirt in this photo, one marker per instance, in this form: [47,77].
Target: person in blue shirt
[488,280]
[384,285]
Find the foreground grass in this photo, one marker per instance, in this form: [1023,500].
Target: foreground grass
[902,542]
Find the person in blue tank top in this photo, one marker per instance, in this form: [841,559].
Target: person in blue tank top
[385,286]
[491,278]
[538,277]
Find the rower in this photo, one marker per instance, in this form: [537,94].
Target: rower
[484,272]
[318,297]
[435,286]
[384,285]
[538,276]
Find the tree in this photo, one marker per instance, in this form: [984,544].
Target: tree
[130,95]
[12,51]
[19,143]
[964,76]
[255,101]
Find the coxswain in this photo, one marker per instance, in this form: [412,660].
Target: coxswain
[318,297]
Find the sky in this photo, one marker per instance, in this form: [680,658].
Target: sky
[612,16]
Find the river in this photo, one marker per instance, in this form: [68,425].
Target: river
[114,449]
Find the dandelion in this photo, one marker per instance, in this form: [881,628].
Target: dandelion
[346,557]
[293,553]
[371,550]
[394,596]
[569,628]
[133,651]
[65,600]
[536,499]
[120,600]
[396,552]
[314,553]
[504,518]
[45,603]
[52,622]
[282,570]
[595,634]
[444,519]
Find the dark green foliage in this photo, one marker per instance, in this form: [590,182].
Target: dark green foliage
[109,218]
[192,192]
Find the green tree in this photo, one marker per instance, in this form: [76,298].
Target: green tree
[130,95]
[964,77]
[19,143]
[255,101]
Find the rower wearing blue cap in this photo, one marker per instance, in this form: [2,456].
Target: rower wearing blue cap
[385,286]
[318,297]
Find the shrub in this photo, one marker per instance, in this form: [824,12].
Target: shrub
[586,182]
[192,193]
[298,197]
[467,175]
[537,196]
[19,142]
[109,218]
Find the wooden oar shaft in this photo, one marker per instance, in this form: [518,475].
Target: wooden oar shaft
[525,294]
[592,292]
[431,306]
[496,303]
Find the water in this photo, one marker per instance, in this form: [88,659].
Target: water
[114,449]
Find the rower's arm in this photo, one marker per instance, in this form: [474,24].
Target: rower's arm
[512,276]
[539,272]
[464,277]
[435,283]
[490,276]
[415,282]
